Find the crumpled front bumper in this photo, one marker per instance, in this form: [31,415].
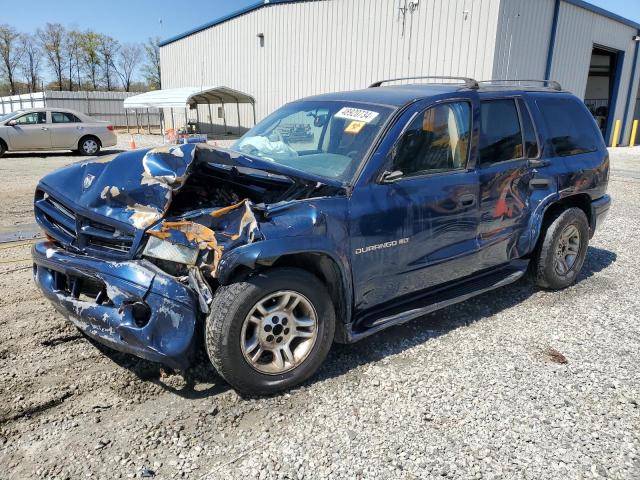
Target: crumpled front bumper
[130,306]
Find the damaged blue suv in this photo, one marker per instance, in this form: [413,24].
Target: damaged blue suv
[396,201]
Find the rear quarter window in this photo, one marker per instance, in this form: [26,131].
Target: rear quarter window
[572,131]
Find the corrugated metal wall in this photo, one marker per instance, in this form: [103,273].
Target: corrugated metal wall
[106,106]
[331,45]
[522,42]
[578,31]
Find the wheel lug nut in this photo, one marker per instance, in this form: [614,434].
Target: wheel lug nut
[269,338]
[285,321]
[279,339]
[275,320]
[267,328]
[286,331]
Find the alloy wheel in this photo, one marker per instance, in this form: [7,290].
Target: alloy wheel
[279,332]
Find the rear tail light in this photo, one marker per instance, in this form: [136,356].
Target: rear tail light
[110,127]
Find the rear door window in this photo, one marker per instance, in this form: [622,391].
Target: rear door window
[64,117]
[572,130]
[500,131]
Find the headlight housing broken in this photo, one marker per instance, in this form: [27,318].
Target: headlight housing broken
[172,252]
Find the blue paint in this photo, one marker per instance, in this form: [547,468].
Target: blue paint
[632,85]
[168,334]
[552,39]
[388,244]
[614,95]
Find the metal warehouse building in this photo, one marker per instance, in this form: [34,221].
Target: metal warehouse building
[281,50]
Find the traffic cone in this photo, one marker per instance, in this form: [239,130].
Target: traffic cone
[132,143]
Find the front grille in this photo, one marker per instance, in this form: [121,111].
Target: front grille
[80,233]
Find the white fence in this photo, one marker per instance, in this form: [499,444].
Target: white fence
[107,106]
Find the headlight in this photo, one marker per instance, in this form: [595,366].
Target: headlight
[164,250]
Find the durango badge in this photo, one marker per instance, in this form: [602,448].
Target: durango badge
[88,181]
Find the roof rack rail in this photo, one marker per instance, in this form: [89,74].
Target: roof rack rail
[468,82]
[552,84]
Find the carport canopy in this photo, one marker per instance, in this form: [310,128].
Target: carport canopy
[187,96]
[190,97]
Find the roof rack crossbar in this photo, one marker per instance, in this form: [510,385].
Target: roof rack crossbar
[468,82]
[545,83]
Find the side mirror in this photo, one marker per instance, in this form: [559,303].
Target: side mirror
[12,123]
[390,177]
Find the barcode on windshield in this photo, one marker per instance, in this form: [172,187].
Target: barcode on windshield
[366,116]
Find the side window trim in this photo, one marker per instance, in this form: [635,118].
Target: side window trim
[522,102]
[523,156]
[408,124]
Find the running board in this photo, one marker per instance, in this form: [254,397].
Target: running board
[439,299]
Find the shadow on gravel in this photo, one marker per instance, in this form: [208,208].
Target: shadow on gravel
[344,358]
[59,153]
[201,373]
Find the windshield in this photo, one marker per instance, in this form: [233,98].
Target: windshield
[9,115]
[323,138]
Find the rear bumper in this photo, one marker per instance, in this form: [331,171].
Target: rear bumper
[129,306]
[599,210]
[109,140]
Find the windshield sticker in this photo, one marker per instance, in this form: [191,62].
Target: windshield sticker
[366,116]
[354,127]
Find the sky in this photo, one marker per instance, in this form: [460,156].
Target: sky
[136,20]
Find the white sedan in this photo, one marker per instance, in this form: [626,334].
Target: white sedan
[54,129]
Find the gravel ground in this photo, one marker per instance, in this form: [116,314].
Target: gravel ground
[519,383]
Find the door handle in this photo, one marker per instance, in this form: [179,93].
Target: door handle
[539,183]
[44,128]
[467,200]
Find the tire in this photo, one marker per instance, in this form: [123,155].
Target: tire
[548,271]
[228,330]
[89,145]
[3,148]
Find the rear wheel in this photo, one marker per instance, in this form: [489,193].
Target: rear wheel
[561,253]
[89,146]
[270,332]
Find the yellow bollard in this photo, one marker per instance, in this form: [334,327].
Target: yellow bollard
[634,133]
[616,133]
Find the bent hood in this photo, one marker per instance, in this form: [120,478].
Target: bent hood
[136,188]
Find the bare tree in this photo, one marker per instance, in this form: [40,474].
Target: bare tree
[52,41]
[127,62]
[31,61]
[108,49]
[72,43]
[91,56]
[10,53]
[151,68]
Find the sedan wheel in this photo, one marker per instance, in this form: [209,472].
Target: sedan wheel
[89,146]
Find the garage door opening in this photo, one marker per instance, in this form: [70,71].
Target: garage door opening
[602,86]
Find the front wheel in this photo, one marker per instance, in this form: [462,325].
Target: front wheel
[89,146]
[271,331]
[562,251]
